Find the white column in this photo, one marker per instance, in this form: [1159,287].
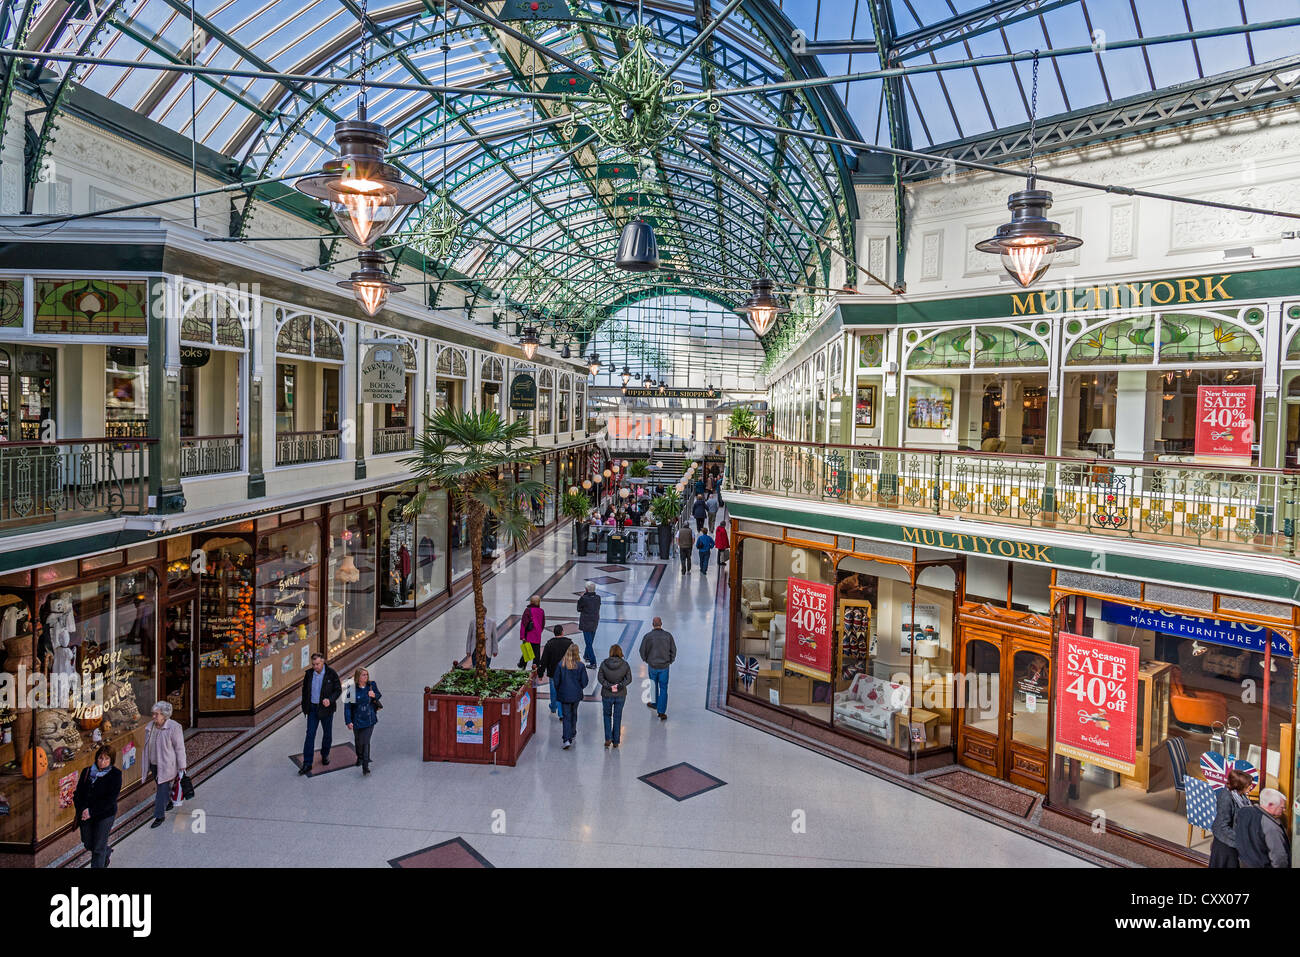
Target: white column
[1136,416]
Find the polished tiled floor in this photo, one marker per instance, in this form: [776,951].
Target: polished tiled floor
[781,804]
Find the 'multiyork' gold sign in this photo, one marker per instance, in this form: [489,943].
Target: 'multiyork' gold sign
[979,544]
[1121,295]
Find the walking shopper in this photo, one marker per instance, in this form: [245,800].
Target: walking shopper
[614,675]
[659,651]
[549,663]
[722,543]
[1261,833]
[570,681]
[711,510]
[589,621]
[490,644]
[530,630]
[685,540]
[1229,800]
[704,545]
[95,803]
[320,699]
[164,757]
[700,512]
[361,714]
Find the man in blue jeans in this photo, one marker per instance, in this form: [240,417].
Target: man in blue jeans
[658,651]
[549,663]
[320,699]
[589,621]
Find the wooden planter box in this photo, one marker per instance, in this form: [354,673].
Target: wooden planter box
[459,727]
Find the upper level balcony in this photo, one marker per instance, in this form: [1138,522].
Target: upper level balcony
[1244,510]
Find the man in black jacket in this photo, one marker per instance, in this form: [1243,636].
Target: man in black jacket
[320,699]
[549,662]
[1261,833]
[589,621]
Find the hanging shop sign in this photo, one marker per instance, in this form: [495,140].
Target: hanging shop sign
[1225,420]
[195,357]
[383,375]
[808,628]
[523,393]
[1230,633]
[1096,702]
[671,393]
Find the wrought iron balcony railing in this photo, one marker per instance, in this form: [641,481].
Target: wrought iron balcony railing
[211,455]
[72,480]
[1247,509]
[399,439]
[300,448]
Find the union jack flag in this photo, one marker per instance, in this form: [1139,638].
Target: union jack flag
[1215,768]
[746,671]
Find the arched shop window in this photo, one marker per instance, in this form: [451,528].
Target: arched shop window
[309,356]
[1132,387]
[491,384]
[395,421]
[562,402]
[545,388]
[580,404]
[449,386]
[212,346]
[976,387]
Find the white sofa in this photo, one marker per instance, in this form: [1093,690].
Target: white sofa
[869,705]
[776,638]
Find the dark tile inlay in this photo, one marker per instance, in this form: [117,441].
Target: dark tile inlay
[682,781]
[341,756]
[611,568]
[453,853]
[606,580]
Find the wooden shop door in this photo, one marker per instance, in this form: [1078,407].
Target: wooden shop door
[1004,718]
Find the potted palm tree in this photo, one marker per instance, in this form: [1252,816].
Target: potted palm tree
[575,505]
[665,508]
[472,455]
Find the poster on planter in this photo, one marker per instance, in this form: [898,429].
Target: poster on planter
[808,608]
[524,703]
[1225,420]
[469,724]
[1096,702]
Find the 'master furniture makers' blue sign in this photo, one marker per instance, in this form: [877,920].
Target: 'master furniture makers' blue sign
[1230,633]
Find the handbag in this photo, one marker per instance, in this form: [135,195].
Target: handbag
[187,787]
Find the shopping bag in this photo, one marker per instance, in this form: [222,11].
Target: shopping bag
[527,653]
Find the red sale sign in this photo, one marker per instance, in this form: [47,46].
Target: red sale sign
[1225,419]
[808,608]
[1096,702]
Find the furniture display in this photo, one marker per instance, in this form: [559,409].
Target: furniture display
[776,637]
[1153,721]
[854,634]
[753,598]
[903,724]
[1215,768]
[1201,807]
[1227,664]
[869,705]
[1177,749]
[1191,707]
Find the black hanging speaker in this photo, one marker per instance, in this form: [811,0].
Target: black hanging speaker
[637,249]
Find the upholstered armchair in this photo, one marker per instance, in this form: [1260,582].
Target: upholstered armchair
[753,597]
[1201,708]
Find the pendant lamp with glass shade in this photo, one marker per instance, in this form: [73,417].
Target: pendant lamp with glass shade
[762,307]
[1029,243]
[626,376]
[593,363]
[529,341]
[647,382]
[365,193]
[370,284]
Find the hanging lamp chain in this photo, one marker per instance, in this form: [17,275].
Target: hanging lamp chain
[365,61]
[1033,120]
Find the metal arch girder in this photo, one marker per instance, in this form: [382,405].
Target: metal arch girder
[963,26]
[1240,91]
[831,113]
[900,132]
[20,28]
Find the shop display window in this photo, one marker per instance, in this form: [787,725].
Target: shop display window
[17,791]
[287,623]
[1203,701]
[225,624]
[126,391]
[430,548]
[459,538]
[396,553]
[95,646]
[353,580]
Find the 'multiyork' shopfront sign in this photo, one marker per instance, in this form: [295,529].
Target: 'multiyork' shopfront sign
[978,544]
[1121,295]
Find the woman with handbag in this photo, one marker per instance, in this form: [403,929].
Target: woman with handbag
[95,801]
[361,713]
[530,631]
[1229,799]
[164,757]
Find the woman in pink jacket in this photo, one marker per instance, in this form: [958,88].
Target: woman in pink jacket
[530,628]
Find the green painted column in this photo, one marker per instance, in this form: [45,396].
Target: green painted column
[256,477]
[164,406]
[359,431]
